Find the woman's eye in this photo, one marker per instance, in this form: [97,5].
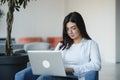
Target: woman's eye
[74,28]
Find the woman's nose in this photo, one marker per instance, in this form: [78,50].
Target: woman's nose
[69,31]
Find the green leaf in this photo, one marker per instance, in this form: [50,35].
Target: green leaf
[17,6]
[16,3]
[25,3]
[17,9]
[21,2]
[2,1]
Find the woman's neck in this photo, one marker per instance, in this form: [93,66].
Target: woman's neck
[78,40]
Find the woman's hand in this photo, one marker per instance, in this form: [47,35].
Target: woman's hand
[69,70]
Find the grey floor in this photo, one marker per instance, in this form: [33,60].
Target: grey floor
[110,71]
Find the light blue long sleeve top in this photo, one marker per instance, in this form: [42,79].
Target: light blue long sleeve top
[82,57]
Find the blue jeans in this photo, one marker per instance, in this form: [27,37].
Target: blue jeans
[26,74]
[48,77]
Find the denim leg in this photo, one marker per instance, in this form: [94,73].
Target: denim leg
[92,75]
[48,77]
[45,77]
[25,74]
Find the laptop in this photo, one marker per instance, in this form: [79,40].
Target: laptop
[46,63]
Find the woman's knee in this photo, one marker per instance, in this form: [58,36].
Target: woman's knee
[45,77]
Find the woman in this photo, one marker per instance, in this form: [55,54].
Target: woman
[79,52]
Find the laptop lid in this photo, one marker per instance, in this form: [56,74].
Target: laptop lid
[46,63]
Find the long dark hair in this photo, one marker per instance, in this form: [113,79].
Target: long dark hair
[74,17]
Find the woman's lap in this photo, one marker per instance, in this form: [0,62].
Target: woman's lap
[48,77]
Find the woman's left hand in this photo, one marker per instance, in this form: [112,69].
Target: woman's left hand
[69,70]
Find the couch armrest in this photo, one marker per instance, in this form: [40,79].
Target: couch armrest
[19,51]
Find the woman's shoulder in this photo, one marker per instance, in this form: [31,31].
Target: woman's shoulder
[90,41]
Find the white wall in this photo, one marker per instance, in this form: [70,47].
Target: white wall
[99,16]
[41,18]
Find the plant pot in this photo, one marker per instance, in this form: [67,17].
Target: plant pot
[10,65]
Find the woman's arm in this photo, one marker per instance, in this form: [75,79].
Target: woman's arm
[93,65]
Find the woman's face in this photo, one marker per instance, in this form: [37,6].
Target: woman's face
[73,31]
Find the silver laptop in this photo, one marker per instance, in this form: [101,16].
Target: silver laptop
[46,63]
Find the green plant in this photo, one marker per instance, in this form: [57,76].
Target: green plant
[12,6]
